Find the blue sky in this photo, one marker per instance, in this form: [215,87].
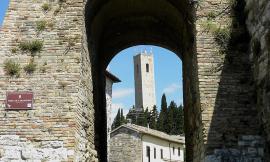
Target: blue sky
[168,73]
[3,8]
[168,76]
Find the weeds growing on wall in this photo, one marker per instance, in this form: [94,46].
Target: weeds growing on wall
[46,7]
[31,46]
[14,50]
[30,67]
[232,37]
[12,68]
[41,25]
[221,35]
[63,84]
[227,36]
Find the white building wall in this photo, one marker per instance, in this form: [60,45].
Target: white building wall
[145,95]
[159,144]
[108,91]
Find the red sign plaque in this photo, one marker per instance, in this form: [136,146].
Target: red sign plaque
[19,100]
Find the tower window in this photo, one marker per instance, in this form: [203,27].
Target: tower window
[147,67]
[137,69]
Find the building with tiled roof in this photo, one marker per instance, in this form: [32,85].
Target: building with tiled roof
[135,143]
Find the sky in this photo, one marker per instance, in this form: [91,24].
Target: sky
[168,77]
[3,8]
[168,73]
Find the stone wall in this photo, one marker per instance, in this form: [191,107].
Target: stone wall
[55,82]
[258,23]
[14,148]
[225,75]
[125,145]
[85,136]
[109,84]
[250,148]
[233,84]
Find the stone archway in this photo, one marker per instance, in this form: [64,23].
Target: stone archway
[225,91]
[114,25]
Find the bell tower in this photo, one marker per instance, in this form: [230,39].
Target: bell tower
[145,95]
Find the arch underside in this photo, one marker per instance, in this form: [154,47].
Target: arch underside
[117,24]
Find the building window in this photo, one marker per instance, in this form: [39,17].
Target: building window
[137,69]
[179,151]
[161,153]
[147,68]
[155,154]
[148,151]
[173,150]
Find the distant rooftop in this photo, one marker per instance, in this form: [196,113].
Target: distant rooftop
[155,133]
[112,77]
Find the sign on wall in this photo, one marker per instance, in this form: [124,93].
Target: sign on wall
[19,100]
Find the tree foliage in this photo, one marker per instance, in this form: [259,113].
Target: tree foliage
[153,118]
[162,119]
[170,119]
[119,119]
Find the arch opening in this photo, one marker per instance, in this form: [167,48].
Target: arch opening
[142,103]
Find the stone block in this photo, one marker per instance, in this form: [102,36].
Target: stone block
[252,151]
[12,152]
[261,152]
[29,153]
[235,152]
[244,143]
[212,158]
[9,140]
[250,137]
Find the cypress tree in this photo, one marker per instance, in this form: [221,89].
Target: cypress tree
[117,120]
[180,120]
[153,118]
[162,120]
[146,118]
[122,118]
[172,117]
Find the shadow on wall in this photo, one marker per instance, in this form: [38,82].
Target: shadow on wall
[235,112]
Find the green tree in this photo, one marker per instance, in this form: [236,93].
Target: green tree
[162,119]
[171,127]
[117,120]
[122,118]
[153,118]
[180,120]
[131,115]
[141,118]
